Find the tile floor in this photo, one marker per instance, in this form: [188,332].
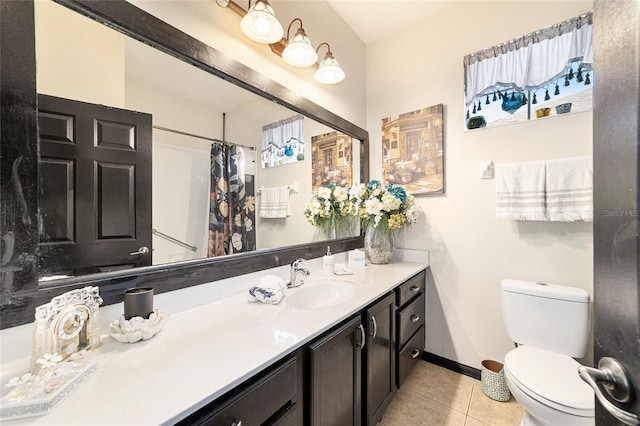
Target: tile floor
[435,396]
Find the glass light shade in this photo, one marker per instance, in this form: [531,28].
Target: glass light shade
[329,71]
[299,51]
[260,24]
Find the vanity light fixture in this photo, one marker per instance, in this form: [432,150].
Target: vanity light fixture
[299,52]
[329,71]
[260,23]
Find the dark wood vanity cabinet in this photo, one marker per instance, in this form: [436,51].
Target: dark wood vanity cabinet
[347,376]
[380,358]
[394,342]
[410,301]
[335,377]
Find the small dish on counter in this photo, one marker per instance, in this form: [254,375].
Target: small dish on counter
[137,328]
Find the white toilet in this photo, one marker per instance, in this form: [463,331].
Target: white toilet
[551,323]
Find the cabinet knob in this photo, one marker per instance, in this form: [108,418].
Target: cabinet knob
[414,288]
[236,423]
[415,353]
[414,318]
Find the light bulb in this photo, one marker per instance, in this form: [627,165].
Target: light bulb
[329,71]
[299,51]
[260,24]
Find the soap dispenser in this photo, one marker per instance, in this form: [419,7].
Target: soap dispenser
[327,262]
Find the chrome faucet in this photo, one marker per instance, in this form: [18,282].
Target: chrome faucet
[296,273]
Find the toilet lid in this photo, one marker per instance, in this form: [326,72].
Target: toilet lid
[551,378]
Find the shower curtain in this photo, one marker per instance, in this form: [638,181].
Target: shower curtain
[232,202]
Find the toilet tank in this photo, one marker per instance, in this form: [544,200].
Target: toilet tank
[547,316]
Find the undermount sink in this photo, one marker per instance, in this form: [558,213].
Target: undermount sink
[322,293]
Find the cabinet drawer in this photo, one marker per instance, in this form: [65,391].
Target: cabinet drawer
[288,418]
[269,397]
[410,318]
[409,355]
[411,289]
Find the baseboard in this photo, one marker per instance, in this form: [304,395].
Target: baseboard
[451,365]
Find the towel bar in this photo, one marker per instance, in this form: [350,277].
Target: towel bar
[173,240]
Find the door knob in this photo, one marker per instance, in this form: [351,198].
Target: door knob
[615,380]
[141,250]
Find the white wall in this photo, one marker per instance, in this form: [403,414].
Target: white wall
[472,251]
[220,28]
[78,59]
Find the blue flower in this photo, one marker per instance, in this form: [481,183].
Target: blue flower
[373,184]
[397,191]
[330,186]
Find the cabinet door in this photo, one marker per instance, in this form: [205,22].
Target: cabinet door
[335,377]
[380,358]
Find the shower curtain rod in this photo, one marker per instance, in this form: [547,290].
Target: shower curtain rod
[166,129]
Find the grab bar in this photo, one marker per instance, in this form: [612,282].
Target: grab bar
[173,240]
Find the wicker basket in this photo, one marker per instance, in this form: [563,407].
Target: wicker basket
[494,384]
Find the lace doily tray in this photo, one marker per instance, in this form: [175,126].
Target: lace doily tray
[40,395]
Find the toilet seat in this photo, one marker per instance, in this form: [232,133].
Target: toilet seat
[550,378]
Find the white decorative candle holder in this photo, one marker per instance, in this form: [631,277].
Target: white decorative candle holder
[137,328]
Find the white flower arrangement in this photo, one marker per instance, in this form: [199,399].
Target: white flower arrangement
[388,208]
[328,209]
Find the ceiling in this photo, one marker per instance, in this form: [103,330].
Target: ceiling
[373,20]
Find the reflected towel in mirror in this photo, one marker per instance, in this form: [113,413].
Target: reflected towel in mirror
[274,202]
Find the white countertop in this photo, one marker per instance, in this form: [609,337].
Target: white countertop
[208,346]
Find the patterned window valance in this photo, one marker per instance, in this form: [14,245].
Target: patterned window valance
[283,132]
[531,61]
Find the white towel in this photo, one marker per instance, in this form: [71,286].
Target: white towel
[274,202]
[570,189]
[520,191]
[269,289]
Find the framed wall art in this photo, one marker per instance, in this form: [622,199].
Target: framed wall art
[413,150]
[331,156]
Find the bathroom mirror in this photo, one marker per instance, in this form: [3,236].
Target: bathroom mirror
[270,102]
[189,107]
